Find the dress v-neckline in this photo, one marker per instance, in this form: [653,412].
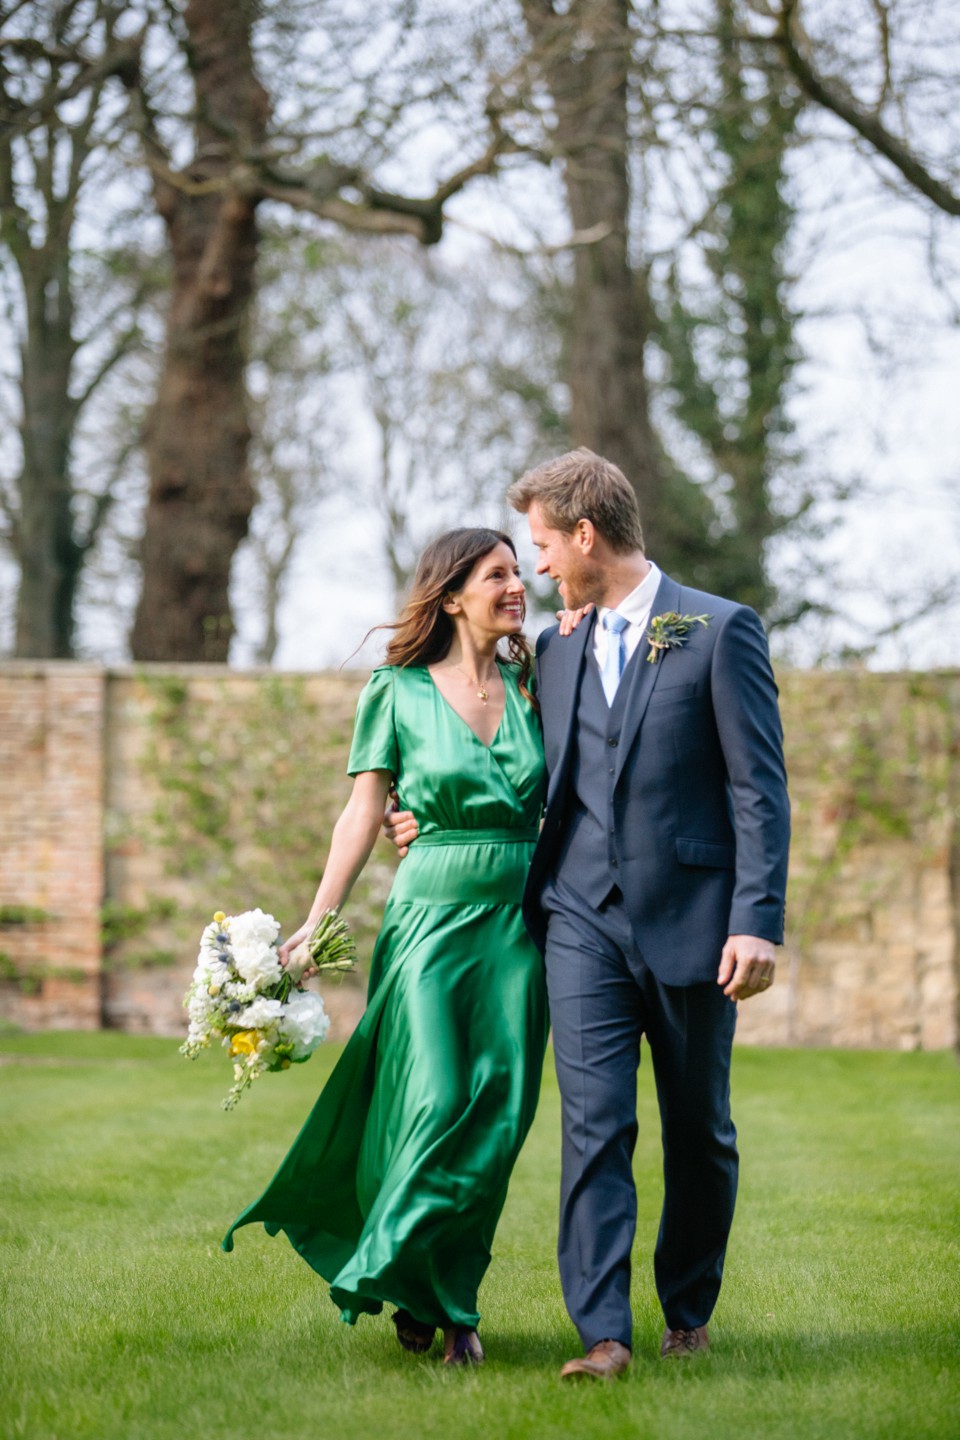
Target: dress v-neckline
[466,723]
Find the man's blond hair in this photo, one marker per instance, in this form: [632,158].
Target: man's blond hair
[582,486]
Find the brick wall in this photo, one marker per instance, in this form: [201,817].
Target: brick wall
[148,798]
[51,833]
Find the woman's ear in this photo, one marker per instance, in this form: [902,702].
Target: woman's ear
[450,605]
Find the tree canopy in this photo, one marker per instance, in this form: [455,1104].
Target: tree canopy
[243,242]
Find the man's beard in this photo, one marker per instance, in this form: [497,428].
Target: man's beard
[582,587]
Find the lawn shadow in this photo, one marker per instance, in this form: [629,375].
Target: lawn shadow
[735,1352]
[539,1352]
[819,1353]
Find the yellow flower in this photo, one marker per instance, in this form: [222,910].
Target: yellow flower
[244,1042]
[219,917]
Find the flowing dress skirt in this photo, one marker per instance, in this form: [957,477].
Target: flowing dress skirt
[394,1186]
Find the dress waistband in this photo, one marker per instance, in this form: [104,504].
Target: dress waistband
[478,837]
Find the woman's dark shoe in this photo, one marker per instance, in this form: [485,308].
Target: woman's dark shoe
[413,1334]
[462,1347]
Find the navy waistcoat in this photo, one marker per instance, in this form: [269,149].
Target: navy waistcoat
[588,861]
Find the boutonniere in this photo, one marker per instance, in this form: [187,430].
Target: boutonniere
[669,631]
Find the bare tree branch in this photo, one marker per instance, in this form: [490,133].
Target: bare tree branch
[381,212]
[103,501]
[120,60]
[8,12]
[577,238]
[121,347]
[836,96]
[10,516]
[144,124]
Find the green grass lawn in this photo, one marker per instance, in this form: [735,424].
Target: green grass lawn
[840,1314]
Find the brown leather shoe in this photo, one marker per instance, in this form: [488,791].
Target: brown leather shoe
[605,1360]
[677,1343]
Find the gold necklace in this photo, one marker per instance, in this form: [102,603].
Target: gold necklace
[483,694]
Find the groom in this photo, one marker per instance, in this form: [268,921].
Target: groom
[656,894]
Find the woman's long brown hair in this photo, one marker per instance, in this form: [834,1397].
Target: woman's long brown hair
[424,631]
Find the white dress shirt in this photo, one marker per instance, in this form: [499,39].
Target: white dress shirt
[635,608]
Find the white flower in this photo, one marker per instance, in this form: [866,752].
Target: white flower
[305,1023]
[237,990]
[214,941]
[200,1006]
[209,972]
[232,993]
[213,961]
[261,1015]
[252,928]
[257,963]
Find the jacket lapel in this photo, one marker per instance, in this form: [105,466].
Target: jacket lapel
[565,692]
[644,676]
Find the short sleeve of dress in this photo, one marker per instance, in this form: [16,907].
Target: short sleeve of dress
[374,732]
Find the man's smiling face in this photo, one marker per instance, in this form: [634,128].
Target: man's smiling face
[564,559]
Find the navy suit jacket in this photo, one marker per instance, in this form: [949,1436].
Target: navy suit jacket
[701,815]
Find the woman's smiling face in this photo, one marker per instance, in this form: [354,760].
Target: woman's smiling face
[493,599]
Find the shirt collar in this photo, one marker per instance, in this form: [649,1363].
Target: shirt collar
[636,606]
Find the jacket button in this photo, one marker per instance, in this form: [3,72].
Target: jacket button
[611,740]
[615,864]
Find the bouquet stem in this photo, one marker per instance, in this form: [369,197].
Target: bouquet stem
[331,945]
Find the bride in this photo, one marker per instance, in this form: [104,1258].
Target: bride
[394,1186]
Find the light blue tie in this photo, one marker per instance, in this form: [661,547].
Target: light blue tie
[616,655]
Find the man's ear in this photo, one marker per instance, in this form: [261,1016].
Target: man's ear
[585,535]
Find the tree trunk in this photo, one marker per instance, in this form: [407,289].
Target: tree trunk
[50,556]
[197,437]
[44,154]
[736,402]
[754,131]
[584,56]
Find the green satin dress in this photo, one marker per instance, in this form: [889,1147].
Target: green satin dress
[394,1186]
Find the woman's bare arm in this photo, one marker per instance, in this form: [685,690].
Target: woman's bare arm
[353,838]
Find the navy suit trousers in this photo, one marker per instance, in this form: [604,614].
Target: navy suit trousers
[603,999]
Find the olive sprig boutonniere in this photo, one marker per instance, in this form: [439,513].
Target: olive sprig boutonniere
[669,631]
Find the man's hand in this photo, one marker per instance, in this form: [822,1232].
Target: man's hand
[401,828]
[747,966]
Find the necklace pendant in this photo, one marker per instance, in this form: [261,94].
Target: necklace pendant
[483,694]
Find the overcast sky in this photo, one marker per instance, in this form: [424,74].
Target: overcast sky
[875,404]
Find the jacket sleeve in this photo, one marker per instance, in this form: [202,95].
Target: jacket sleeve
[751,736]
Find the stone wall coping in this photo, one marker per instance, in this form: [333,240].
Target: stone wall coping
[30,669]
[208,669]
[35,669]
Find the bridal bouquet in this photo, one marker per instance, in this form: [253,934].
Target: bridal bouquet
[242,996]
